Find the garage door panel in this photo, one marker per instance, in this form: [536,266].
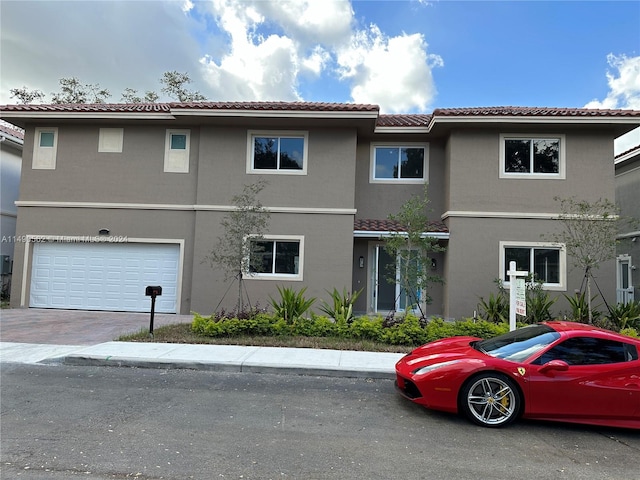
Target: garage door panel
[104,276]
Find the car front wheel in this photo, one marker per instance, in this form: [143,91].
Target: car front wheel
[491,400]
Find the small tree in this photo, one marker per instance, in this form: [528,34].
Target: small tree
[243,227]
[72,91]
[25,95]
[130,95]
[412,249]
[589,234]
[175,86]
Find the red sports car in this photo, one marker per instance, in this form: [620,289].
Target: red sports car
[561,371]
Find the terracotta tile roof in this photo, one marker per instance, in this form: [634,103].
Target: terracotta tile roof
[376,225]
[626,152]
[279,106]
[533,112]
[409,120]
[90,107]
[167,107]
[12,130]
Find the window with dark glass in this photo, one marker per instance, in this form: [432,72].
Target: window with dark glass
[399,163]
[47,139]
[275,257]
[278,153]
[178,141]
[537,155]
[542,263]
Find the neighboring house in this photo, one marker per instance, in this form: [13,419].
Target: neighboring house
[627,166]
[117,197]
[11,139]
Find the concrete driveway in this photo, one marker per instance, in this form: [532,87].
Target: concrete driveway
[75,327]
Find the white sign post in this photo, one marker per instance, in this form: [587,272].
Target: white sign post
[517,294]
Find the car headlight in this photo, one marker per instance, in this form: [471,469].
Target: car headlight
[430,368]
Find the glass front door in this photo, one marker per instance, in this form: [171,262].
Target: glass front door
[624,285]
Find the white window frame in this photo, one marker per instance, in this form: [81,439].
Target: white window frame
[110,140]
[279,276]
[176,160]
[562,286]
[404,181]
[44,158]
[251,134]
[561,175]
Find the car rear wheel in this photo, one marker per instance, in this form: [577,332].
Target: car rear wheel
[491,400]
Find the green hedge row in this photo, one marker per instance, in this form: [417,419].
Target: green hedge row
[408,331]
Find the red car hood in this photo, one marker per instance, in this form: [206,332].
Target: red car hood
[442,351]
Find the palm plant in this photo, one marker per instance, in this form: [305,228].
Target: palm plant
[292,304]
[342,304]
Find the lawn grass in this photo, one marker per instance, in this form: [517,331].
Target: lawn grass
[181,333]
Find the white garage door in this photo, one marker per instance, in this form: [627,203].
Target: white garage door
[104,276]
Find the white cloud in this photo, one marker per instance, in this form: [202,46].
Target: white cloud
[114,44]
[624,92]
[319,38]
[255,67]
[624,84]
[231,49]
[394,73]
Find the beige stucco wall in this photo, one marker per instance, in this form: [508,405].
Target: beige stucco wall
[192,204]
[136,175]
[475,183]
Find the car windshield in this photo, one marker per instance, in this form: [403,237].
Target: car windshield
[519,344]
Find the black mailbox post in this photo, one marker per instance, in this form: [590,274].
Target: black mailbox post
[153,292]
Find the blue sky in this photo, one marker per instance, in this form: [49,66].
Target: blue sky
[406,56]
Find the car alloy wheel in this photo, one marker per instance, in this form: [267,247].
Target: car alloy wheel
[491,400]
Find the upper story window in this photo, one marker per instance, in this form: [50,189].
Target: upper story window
[45,149]
[527,156]
[545,262]
[277,152]
[110,140]
[395,163]
[277,257]
[176,151]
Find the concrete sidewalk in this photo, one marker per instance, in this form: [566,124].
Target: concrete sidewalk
[76,337]
[228,358]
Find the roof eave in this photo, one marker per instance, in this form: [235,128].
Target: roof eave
[414,130]
[381,234]
[212,112]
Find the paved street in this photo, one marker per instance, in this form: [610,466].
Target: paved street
[98,423]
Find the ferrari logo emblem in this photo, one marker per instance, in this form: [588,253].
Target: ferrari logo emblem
[521,371]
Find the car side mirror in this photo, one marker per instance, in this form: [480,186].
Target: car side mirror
[555,365]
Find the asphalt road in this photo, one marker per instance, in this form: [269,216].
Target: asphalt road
[96,423]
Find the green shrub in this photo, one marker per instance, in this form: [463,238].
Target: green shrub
[580,307]
[291,304]
[495,309]
[481,328]
[341,304]
[625,315]
[630,332]
[409,330]
[366,328]
[323,326]
[539,303]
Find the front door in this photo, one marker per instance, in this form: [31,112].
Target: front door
[384,292]
[389,296]
[624,284]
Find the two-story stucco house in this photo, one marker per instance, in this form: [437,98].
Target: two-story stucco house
[627,165]
[116,197]
[11,140]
